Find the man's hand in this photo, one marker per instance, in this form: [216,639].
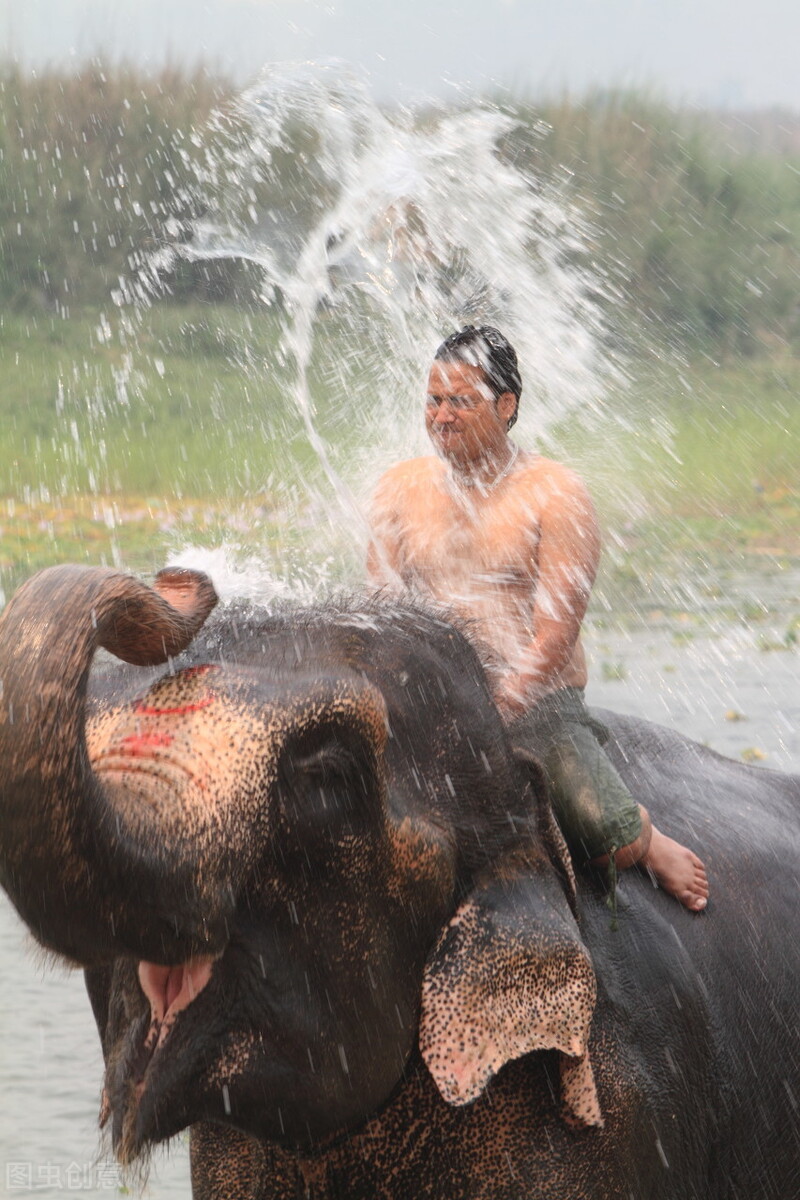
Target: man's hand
[516,692]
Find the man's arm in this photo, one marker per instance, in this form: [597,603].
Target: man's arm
[566,564]
[381,560]
[383,551]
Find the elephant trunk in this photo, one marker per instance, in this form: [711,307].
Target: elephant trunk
[65,853]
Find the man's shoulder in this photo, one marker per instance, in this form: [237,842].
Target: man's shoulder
[410,472]
[549,475]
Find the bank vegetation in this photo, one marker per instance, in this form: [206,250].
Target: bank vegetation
[695,216]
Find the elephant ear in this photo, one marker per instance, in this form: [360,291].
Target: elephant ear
[510,975]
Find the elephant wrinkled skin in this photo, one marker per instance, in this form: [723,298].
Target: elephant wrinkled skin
[327,920]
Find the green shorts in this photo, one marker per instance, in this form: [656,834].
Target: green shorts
[593,807]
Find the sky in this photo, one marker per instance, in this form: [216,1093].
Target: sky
[720,53]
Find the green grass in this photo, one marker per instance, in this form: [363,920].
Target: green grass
[704,446]
[694,474]
[113,450]
[111,453]
[171,413]
[120,444]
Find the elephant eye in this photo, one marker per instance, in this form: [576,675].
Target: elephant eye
[327,783]
[326,762]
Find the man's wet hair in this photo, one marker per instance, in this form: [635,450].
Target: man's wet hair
[485,347]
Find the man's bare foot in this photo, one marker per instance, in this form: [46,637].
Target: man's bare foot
[678,870]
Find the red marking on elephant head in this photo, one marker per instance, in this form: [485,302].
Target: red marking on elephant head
[141,743]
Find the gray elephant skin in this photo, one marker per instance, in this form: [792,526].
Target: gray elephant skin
[328,923]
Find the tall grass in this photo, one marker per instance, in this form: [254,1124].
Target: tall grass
[697,231]
[94,168]
[700,231]
[171,414]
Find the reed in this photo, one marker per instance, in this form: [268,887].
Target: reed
[695,229]
[93,170]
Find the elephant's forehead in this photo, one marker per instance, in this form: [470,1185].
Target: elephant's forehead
[178,737]
[187,691]
[182,704]
[228,719]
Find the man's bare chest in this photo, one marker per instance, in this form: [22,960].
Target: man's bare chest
[477,540]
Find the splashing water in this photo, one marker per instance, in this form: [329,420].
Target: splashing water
[371,236]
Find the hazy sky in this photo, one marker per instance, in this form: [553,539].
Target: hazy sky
[701,51]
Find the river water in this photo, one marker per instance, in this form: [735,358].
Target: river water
[730,684]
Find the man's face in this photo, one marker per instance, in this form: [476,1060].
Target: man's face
[465,420]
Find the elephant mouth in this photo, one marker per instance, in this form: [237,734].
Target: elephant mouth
[170,991]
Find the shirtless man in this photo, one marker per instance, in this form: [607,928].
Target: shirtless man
[509,540]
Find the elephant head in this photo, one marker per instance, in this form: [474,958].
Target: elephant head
[300,857]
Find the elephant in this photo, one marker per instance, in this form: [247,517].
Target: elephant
[328,922]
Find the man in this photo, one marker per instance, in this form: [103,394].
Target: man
[509,540]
